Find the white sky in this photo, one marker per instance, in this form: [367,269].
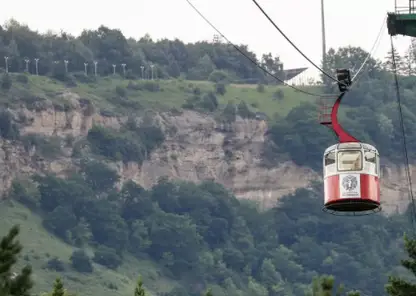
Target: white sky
[352,22]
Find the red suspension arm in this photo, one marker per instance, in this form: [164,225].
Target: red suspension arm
[342,135]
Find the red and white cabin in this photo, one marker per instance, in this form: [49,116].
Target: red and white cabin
[351,178]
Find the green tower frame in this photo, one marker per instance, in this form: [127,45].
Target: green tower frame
[403,20]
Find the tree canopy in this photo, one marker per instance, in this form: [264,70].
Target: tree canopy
[203,234]
[110,49]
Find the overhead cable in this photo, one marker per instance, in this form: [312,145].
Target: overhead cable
[253,60]
[290,41]
[372,50]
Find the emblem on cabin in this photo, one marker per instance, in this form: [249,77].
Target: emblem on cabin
[349,182]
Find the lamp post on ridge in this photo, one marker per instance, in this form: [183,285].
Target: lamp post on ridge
[27,61]
[152,67]
[36,66]
[124,69]
[95,68]
[6,60]
[142,68]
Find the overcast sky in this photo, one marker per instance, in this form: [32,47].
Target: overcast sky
[352,22]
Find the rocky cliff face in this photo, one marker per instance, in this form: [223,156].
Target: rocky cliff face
[200,149]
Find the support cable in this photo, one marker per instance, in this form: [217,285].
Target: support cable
[405,153]
[372,50]
[254,61]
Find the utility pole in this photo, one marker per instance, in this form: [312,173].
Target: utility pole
[86,69]
[27,61]
[142,68]
[95,68]
[124,69]
[114,69]
[66,66]
[36,66]
[323,34]
[6,60]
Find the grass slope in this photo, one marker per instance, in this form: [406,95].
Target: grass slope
[172,95]
[39,246]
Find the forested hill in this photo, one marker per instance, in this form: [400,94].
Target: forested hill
[108,47]
[73,139]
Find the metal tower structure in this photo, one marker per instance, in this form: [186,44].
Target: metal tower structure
[403,20]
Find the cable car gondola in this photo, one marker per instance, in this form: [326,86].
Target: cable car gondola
[351,169]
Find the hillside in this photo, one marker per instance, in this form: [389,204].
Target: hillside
[197,143]
[54,121]
[196,150]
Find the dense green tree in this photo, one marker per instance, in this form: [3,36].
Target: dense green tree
[139,289]
[12,283]
[60,221]
[58,288]
[99,176]
[203,234]
[325,285]
[398,286]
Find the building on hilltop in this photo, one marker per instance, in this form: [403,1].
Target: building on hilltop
[302,76]
[291,73]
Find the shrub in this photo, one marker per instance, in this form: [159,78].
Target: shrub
[220,88]
[8,129]
[209,102]
[22,78]
[218,76]
[6,82]
[81,77]
[196,90]
[121,91]
[279,94]
[81,262]
[55,264]
[107,257]
[115,145]
[244,111]
[260,88]
[25,192]
[151,86]
[49,147]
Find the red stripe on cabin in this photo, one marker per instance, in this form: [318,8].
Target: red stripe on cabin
[370,188]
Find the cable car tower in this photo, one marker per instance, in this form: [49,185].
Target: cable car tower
[403,20]
[351,169]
